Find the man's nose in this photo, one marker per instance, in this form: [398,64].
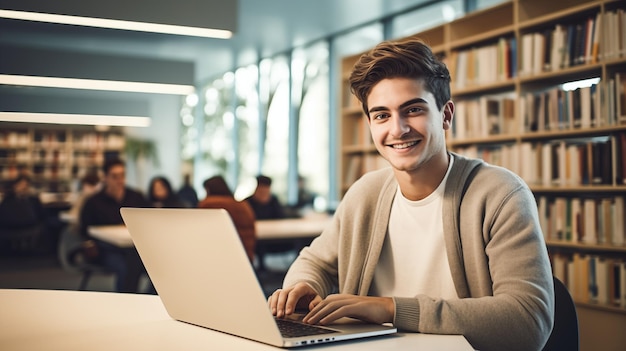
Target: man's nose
[399,126]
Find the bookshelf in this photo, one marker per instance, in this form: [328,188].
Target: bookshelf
[55,156]
[512,66]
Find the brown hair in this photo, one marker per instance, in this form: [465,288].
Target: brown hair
[408,58]
[216,186]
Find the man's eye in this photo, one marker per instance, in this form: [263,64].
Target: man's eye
[380,116]
[414,110]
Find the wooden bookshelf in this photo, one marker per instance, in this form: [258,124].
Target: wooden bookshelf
[55,156]
[518,39]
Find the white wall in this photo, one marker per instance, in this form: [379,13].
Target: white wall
[165,132]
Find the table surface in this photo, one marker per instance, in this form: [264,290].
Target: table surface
[84,320]
[291,228]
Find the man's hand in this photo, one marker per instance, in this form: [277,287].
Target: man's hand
[285,301]
[377,310]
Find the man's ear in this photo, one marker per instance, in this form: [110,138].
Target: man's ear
[447,114]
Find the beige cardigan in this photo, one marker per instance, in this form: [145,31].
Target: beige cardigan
[495,247]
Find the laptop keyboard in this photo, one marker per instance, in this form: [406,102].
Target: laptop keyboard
[292,329]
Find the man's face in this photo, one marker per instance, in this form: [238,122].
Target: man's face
[22,187]
[115,179]
[406,126]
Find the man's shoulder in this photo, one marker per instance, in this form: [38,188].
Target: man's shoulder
[135,198]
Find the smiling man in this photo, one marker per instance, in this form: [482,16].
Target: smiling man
[437,243]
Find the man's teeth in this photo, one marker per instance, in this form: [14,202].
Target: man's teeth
[404,145]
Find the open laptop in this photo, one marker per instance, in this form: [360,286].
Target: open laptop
[202,274]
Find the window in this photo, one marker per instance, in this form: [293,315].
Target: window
[311,103]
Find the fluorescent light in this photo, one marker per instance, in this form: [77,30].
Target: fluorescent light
[585,83]
[65,118]
[95,84]
[117,24]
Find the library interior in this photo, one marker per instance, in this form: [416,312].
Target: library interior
[255,95]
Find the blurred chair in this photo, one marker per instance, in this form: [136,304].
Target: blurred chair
[565,335]
[22,239]
[71,256]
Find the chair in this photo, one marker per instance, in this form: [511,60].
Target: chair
[564,334]
[71,258]
[22,239]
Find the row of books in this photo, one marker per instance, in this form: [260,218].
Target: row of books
[569,162]
[586,220]
[586,41]
[99,141]
[360,132]
[487,115]
[592,278]
[483,65]
[54,156]
[360,164]
[614,42]
[596,105]
[14,139]
[564,46]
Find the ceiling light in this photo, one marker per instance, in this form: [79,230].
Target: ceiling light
[117,24]
[95,84]
[64,118]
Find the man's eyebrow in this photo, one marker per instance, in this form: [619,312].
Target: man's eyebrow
[413,101]
[403,105]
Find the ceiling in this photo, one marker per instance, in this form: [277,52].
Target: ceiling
[262,28]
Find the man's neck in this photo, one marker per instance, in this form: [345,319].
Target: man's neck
[420,183]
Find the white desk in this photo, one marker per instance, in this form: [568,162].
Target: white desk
[81,320]
[292,228]
[279,229]
[117,235]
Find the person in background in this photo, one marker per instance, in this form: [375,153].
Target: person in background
[21,211]
[219,195]
[187,193]
[305,200]
[103,208]
[265,204]
[161,195]
[89,185]
[437,243]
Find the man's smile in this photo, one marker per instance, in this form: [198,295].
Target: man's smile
[404,145]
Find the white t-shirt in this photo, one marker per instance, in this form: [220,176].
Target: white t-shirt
[413,259]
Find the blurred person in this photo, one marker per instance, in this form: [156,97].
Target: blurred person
[20,207]
[219,195]
[305,200]
[103,208]
[187,193]
[161,195]
[265,204]
[21,211]
[437,243]
[89,184]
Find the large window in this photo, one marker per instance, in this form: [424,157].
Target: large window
[275,161]
[279,117]
[311,103]
[248,126]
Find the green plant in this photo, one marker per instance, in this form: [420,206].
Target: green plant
[141,148]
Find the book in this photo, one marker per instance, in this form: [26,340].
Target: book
[619,229]
[590,230]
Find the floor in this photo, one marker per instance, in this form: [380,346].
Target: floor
[43,270]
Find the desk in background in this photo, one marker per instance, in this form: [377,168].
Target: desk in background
[267,230]
[80,320]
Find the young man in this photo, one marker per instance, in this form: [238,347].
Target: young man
[103,208]
[265,204]
[438,243]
